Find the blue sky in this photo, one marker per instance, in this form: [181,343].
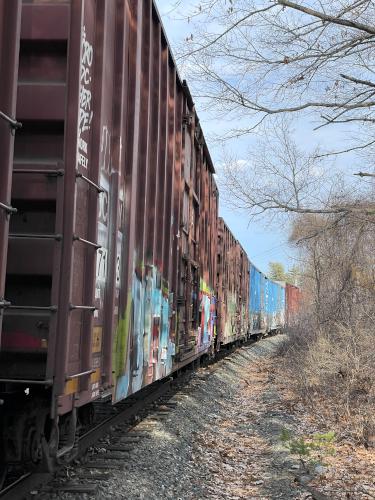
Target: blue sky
[263,242]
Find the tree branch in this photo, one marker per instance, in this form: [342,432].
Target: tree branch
[357,80]
[347,150]
[225,32]
[328,18]
[364,174]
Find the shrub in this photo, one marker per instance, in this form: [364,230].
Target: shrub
[330,353]
[311,450]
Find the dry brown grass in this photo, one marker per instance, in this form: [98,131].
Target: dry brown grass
[335,375]
[330,354]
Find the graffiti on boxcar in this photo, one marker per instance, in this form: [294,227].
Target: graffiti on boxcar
[103,215]
[85,100]
[143,350]
[206,330]
[231,316]
[105,149]
[235,320]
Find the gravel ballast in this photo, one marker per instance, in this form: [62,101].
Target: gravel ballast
[220,441]
[219,438]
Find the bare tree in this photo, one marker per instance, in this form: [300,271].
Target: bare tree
[266,58]
[331,352]
[277,177]
[255,61]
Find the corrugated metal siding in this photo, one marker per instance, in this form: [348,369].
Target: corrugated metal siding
[267,302]
[275,305]
[167,305]
[244,287]
[118,204]
[115,261]
[145,342]
[256,306]
[37,189]
[233,287]
[293,298]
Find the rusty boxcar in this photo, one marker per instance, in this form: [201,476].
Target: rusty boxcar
[115,270]
[293,297]
[111,267]
[232,287]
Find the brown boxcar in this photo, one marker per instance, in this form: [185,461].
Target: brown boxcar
[111,268]
[170,203]
[10,18]
[293,297]
[197,243]
[232,287]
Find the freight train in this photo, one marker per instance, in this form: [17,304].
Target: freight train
[115,269]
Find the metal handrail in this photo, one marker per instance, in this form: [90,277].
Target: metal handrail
[58,173]
[52,309]
[73,307]
[90,182]
[79,375]
[12,122]
[25,381]
[8,209]
[32,236]
[86,242]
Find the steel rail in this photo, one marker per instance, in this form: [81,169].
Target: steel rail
[21,488]
[133,406]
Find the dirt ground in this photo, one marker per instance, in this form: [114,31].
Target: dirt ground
[222,440]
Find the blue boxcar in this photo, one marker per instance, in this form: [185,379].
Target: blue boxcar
[256,299]
[267,303]
[274,298]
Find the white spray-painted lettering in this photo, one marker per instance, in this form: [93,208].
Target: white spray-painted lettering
[85,100]
[105,150]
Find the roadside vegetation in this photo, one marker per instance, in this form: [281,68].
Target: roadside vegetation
[272,68]
[277,272]
[330,355]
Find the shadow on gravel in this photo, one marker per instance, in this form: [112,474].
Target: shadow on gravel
[221,442]
[278,467]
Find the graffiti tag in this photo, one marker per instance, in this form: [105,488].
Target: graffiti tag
[85,100]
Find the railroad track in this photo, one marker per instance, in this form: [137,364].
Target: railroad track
[122,415]
[126,424]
